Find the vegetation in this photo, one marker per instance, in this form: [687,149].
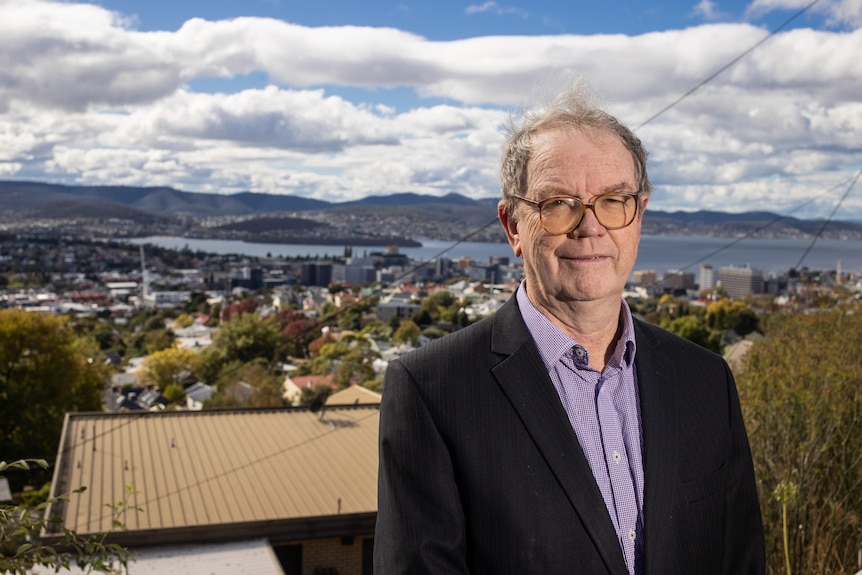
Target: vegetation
[45,371]
[20,526]
[801,392]
[707,326]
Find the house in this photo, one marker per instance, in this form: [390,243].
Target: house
[288,483]
[198,393]
[353,395]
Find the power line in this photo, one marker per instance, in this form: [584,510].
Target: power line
[762,227]
[829,219]
[730,64]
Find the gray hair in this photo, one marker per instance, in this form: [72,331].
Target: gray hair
[571,110]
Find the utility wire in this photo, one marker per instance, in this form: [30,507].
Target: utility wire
[763,227]
[829,219]
[715,74]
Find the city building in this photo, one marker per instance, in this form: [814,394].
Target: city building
[317,273]
[646,278]
[707,277]
[676,281]
[738,282]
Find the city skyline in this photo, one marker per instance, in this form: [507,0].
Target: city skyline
[337,100]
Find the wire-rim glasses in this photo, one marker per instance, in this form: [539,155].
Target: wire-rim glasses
[560,215]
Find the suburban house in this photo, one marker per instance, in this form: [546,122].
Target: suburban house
[289,490]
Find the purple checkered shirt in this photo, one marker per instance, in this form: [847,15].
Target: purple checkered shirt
[604,411]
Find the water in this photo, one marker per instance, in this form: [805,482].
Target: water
[656,252]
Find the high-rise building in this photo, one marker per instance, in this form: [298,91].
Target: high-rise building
[316,274]
[739,282]
[707,277]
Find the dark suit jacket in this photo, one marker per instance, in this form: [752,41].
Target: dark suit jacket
[481,472]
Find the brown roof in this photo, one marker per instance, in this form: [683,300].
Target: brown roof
[199,469]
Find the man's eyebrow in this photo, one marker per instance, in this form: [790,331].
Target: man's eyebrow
[620,187]
[553,191]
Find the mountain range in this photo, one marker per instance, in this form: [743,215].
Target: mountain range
[22,201]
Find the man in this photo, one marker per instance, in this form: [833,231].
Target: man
[563,435]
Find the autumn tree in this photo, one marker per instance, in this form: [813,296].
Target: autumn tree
[168,366]
[45,371]
[299,331]
[801,392]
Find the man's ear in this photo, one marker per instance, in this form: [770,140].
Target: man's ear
[510,226]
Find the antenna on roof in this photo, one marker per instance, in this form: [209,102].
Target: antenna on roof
[319,403]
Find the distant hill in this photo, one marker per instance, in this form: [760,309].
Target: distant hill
[154,205]
[15,196]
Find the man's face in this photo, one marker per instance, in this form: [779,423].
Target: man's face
[590,263]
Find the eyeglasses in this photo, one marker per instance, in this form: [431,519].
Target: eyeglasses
[562,214]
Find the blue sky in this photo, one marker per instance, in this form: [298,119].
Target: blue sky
[343,99]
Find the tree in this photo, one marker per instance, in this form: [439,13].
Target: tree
[249,336]
[299,331]
[693,328]
[247,385]
[407,332]
[45,371]
[801,393]
[167,367]
[731,314]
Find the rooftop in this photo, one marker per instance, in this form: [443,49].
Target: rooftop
[216,469]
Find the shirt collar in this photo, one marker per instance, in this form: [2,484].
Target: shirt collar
[553,344]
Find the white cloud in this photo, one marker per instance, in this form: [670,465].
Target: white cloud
[494,8]
[707,10]
[839,13]
[84,97]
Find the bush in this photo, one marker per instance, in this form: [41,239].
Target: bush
[801,393]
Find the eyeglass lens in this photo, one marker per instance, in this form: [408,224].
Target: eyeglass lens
[613,211]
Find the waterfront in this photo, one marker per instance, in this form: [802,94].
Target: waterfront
[656,252]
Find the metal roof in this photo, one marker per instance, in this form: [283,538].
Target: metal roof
[188,470]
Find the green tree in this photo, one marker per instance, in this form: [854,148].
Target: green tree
[249,336]
[407,332]
[251,384]
[733,315]
[693,328]
[45,371]
[801,393]
[174,392]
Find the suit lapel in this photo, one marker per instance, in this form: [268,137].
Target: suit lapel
[655,373]
[523,378]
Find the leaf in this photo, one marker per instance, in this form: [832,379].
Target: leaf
[24,548]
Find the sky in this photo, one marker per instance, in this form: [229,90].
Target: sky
[343,99]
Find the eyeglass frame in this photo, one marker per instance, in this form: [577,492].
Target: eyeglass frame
[591,205]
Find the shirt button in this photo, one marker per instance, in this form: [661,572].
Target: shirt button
[617,457]
[579,351]
[632,535]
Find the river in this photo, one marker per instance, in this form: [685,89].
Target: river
[660,253]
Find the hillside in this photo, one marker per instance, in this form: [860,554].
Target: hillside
[293,219]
